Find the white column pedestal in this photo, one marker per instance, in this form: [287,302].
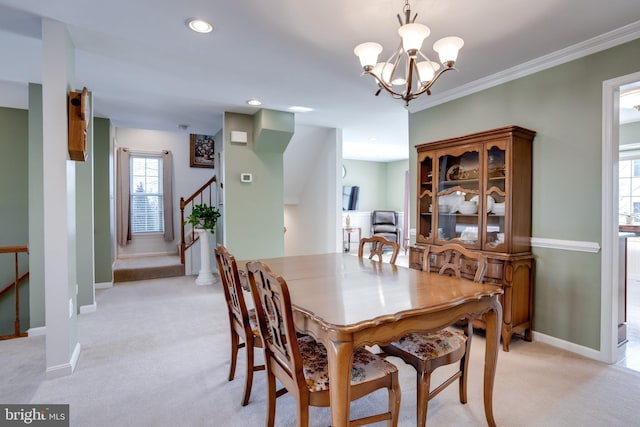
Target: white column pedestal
[205,277]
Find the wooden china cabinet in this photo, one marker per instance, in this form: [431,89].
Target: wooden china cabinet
[475,190]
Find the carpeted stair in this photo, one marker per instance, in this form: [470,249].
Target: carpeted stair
[144,268]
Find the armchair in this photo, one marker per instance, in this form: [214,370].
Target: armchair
[385,223]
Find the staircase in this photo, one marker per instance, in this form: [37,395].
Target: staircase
[157,267]
[144,268]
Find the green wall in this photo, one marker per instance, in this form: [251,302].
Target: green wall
[14,208]
[253,212]
[381,184]
[101,200]
[564,106]
[36,208]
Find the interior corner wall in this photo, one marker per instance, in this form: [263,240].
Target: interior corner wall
[254,211]
[563,105]
[309,221]
[102,201]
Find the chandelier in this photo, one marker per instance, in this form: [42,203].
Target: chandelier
[408,73]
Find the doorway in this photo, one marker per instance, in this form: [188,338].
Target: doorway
[610,278]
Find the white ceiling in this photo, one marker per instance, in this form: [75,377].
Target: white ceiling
[147,70]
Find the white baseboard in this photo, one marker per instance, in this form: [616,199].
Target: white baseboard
[35,332]
[569,346]
[84,309]
[103,285]
[65,369]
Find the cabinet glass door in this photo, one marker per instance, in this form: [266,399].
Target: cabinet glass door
[496,191]
[425,198]
[458,197]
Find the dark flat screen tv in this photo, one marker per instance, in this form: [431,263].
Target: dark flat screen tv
[350,197]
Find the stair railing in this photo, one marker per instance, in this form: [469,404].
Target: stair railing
[206,194]
[16,286]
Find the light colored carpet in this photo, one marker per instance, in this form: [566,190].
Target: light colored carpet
[155,353]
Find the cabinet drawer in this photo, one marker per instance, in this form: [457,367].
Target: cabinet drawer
[495,270]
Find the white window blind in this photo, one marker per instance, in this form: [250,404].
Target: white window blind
[146,194]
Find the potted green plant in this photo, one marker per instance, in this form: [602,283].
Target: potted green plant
[204,216]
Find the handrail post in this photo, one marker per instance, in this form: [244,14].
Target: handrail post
[16,324]
[199,192]
[182,241]
[16,250]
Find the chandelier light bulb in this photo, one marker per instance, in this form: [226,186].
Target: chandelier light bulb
[383,71]
[368,54]
[412,37]
[448,49]
[426,70]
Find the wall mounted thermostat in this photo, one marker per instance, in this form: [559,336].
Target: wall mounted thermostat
[246,177]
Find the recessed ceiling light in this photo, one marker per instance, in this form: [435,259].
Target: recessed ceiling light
[254,102]
[300,109]
[200,26]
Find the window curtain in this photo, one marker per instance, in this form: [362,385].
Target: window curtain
[122,182]
[167,195]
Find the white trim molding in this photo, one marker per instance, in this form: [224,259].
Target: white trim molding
[103,285]
[596,44]
[65,368]
[36,332]
[566,345]
[84,309]
[565,245]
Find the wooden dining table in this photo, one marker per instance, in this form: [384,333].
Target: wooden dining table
[347,302]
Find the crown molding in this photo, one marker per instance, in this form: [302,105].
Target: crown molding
[597,44]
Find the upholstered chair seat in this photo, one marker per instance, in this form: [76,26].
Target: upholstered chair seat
[428,346]
[366,365]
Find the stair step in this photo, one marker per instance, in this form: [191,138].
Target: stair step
[144,268]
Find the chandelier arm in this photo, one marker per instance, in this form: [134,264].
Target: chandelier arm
[428,86]
[410,69]
[397,54]
[387,87]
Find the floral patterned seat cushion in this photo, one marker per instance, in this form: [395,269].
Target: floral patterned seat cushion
[366,365]
[427,346]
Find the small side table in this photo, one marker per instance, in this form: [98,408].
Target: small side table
[346,236]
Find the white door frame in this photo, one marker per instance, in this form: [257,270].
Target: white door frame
[609,259]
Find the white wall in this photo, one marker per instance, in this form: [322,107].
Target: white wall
[185,181]
[312,224]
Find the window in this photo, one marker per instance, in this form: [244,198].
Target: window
[629,191]
[146,194]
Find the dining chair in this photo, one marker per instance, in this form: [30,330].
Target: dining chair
[242,321]
[428,351]
[378,245]
[300,364]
